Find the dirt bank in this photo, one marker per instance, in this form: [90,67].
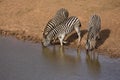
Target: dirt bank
[26,19]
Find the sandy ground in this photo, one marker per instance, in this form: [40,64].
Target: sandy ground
[26,19]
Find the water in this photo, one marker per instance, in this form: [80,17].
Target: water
[27,61]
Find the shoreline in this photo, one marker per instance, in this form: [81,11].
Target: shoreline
[21,35]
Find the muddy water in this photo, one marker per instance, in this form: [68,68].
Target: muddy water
[27,61]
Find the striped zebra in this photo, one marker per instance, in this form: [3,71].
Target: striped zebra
[60,16]
[94,27]
[72,23]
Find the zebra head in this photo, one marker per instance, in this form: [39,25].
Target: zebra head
[46,41]
[90,44]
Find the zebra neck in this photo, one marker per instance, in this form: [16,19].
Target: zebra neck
[52,34]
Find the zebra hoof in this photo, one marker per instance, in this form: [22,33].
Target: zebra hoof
[65,42]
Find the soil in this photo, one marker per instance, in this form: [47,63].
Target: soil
[26,20]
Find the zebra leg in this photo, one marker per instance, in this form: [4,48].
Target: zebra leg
[87,45]
[77,29]
[61,37]
[65,42]
[98,36]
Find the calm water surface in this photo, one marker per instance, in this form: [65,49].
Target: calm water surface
[28,61]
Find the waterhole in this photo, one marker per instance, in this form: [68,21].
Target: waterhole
[29,61]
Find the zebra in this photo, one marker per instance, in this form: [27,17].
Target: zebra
[60,16]
[94,27]
[72,23]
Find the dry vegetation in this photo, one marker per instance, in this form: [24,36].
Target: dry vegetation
[26,19]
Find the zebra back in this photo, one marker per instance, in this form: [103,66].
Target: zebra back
[65,27]
[94,21]
[62,13]
[60,16]
[71,21]
[94,25]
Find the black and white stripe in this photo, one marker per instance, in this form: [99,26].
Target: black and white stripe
[60,16]
[72,23]
[94,27]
